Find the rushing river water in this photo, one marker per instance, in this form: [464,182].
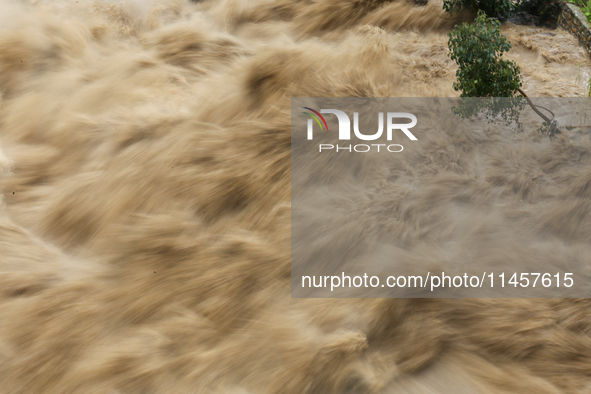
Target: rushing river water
[145,211]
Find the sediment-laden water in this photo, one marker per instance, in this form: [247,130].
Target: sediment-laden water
[145,217]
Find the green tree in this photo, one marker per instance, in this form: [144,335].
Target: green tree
[492,83]
[478,50]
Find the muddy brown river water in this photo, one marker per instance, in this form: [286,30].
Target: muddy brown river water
[145,210]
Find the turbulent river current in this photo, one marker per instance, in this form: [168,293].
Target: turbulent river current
[145,203]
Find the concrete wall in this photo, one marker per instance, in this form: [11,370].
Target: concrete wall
[573,20]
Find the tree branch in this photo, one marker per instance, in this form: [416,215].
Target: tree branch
[534,107]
